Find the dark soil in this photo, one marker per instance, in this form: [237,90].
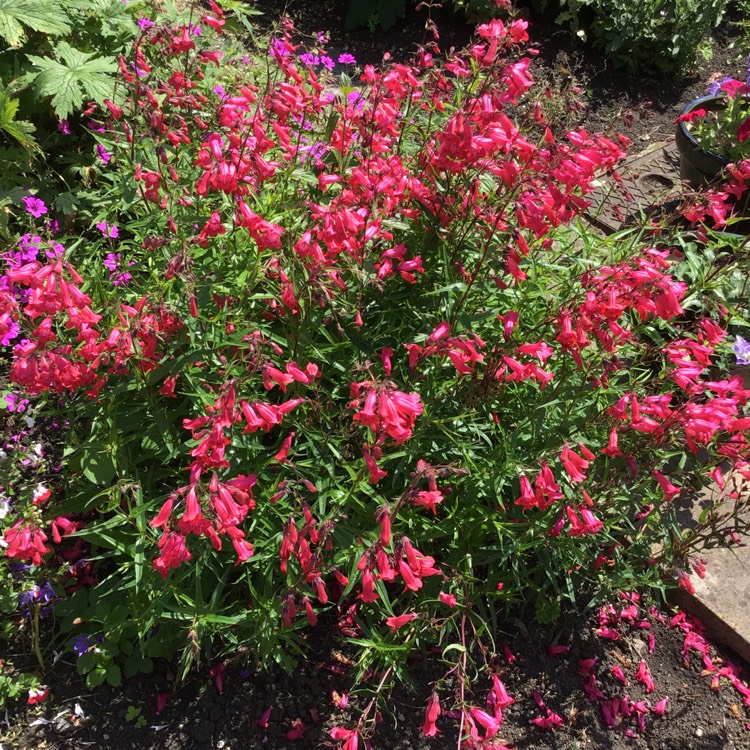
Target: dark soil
[199,717]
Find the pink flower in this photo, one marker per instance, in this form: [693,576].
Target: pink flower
[619,674]
[644,676]
[447,599]
[108,230]
[690,116]
[684,582]
[35,206]
[500,698]
[429,728]
[38,695]
[262,722]
[670,490]
[102,153]
[349,737]
[297,732]
[64,127]
[428,499]
[161,701]
[394,623]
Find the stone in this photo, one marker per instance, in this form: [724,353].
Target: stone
[648,176]
[722,598]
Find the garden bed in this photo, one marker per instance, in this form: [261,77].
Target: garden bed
[199,716]
[298,365]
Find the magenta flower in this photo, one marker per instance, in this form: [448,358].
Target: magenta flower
[327,62]
[12,329]
[102,153]
[112,264]
[347,59]
[145,23]
[64,127]
[108,230]
[35,206]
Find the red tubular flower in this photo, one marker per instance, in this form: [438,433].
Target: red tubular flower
[25,541]
[429,728]
[670,490]
[173,552]
[394,623]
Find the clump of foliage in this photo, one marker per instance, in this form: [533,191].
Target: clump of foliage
[58,56]
[374,13]
[345,351]
[651,36]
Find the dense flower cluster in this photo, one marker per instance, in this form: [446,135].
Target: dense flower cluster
[339,354]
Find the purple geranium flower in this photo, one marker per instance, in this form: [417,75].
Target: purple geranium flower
[64,127]
[145,23]
[108,230]
[15,403]
[35,206]
[10,334]
[347,59]
[742,350]
[102,153]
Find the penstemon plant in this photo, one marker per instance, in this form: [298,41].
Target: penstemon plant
[345,349]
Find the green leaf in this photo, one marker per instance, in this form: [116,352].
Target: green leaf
[66,203]
[113,675]
[73,74]
[97,465]
[359,14]
[389,11]
[38,15]
[18,129]
[96,677]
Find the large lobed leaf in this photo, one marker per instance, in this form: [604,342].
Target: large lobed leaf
[66,78]
[45,16]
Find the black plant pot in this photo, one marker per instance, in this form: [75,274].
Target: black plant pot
[697,165]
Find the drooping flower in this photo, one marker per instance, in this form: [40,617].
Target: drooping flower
[448,599]
[394,623]
[429,728]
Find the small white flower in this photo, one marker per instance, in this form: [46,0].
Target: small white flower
[4,508]
[29,421]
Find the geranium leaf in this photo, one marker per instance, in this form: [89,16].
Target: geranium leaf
[38,15]
[66,78]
